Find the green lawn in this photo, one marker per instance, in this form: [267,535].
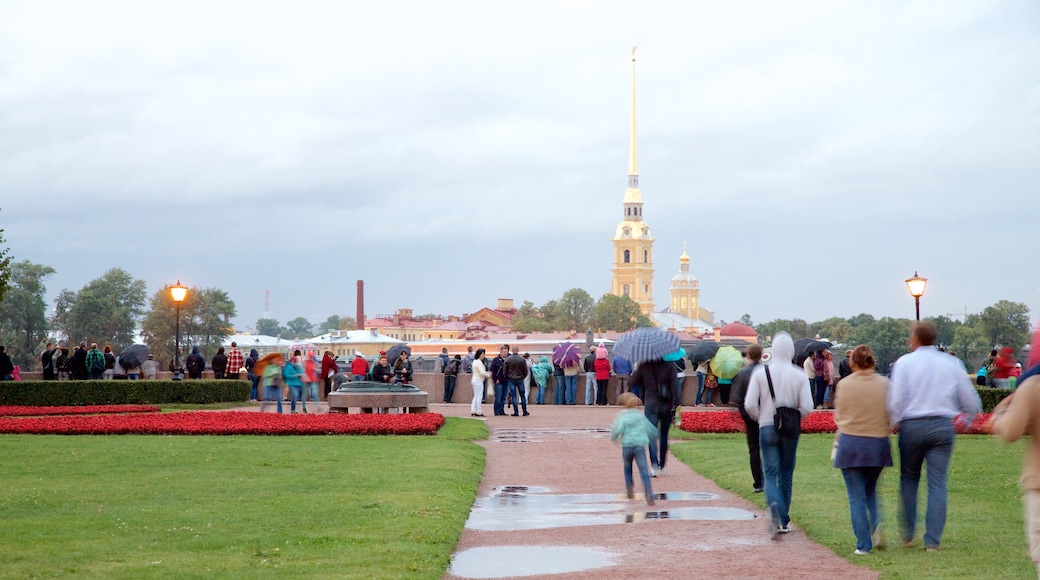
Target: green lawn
[236,507]
[984,534]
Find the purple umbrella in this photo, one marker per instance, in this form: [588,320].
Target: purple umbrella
[566,354]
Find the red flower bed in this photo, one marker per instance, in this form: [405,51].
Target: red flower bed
[28,411]
[228,423]
[730,422]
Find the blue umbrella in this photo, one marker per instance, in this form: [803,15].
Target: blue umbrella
[645,344]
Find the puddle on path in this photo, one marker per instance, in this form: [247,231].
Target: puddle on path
[516,507]
[537,435]
[512,561]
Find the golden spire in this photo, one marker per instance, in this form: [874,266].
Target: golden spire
[684,258]
[633,165]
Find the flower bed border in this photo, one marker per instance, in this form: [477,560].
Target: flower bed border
[227,423]
[815,422]
[30,411]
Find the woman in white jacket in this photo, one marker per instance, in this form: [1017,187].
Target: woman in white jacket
[480,376]
[778,453]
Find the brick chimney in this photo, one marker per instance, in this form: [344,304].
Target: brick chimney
[360,304]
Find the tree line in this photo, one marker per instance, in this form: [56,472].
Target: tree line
[577,311]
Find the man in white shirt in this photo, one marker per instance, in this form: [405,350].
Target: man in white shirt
[928,390]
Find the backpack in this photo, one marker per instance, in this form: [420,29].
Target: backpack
[98,366]
[452,368]
[194,364]
[63,365]
[788,421]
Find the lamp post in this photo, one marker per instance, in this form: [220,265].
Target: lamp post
[178,293]
[916,286]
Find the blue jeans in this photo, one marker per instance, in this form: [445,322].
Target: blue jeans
[927,439]
[778,458]
[272,393]
[310,391]
[540,397]
[637,454]
[449,387]
[356,378]
[590,388]
[661,417]
[700,388]
[861,485]
[516,390]
[559,390]
[500,398]
[572,388]
[254,389]
[295,394]
[820,392]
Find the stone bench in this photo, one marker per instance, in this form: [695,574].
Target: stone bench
[412,402]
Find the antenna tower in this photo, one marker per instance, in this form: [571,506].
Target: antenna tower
[267,304]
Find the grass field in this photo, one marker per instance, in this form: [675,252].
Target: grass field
[236,507]
[984,536]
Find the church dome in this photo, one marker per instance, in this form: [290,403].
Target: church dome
[737,329]
[684,279]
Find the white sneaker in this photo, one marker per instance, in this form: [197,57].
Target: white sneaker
[859,552]
[662,471]
[653,471]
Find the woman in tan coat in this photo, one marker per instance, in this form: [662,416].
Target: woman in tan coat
[862,446]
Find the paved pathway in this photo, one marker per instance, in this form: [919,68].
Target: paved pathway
[565,451]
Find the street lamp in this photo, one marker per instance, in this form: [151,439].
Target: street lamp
[916,286]
[178,293]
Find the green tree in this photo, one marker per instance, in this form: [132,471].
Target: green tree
[834,328]
[331,323]
[269,327]
[970,343]
[23,313]
[347,323]
[619,313]
[204,322]
[529,319]
[887,337]
[300,327]
[105,310]
[767,330]
[5,267]
[574,310]
[1006,323]
[746,320]
[861,319]
[945,328]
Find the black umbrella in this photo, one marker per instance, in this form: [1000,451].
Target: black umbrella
[395,351]
[703,351]
[133,356]
[804,346]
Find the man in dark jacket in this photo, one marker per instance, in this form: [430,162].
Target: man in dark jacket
[6,367]
[515,370]
[657,380]
[79,363]
[499,378]
[195,364]
[48,361]
[589,366]
[451,373]
[736,398]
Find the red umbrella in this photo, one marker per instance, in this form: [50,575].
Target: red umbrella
[566,354]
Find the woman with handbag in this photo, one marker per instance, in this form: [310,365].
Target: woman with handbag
[862,448]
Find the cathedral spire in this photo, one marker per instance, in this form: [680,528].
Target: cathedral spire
[633,162]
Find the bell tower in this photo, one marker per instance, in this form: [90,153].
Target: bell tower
[633,272]
[685,290]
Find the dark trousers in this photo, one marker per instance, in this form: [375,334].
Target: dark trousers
[660,416]
[820,391]
[601,391]
[449,387]
[754,450]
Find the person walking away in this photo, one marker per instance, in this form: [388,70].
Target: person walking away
[540,372]
[559,385]
[48,360]
[602,366]
[622,371]
[328,369]
[95,361]
[250,365]
[862,449]
[680,378]
[790,389]
[1016,416]
[515,370]
[271,377]
[737,395]
[195,364]
[358,368]
[235,362]
[635,433]
[292,374]
[451,374]
[657,380]
[589,365]
[219,364]
[498,377]
[929,388]
[6,366]
[150,369]
[310,381]
[479,380]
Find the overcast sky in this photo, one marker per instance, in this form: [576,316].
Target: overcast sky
[812,155]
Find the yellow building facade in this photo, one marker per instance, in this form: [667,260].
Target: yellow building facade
[633,271]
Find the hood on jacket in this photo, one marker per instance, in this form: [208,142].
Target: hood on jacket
[783,347]
[544,359]
[254,354]
[194,350]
